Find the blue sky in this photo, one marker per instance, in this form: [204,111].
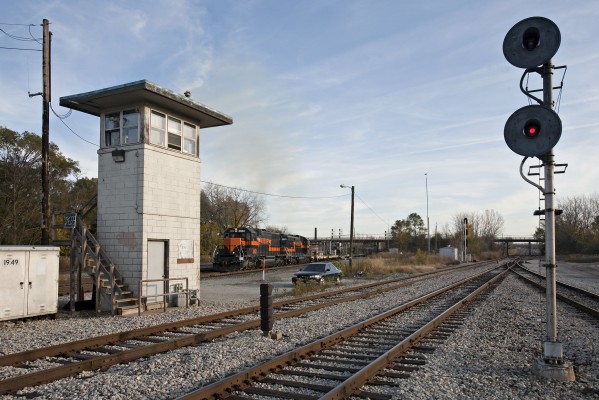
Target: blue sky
[367,93]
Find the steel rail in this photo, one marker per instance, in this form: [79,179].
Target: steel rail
[584,308]
[13,384]
[30,355]
[89,344]
[362,377]
[582,291]
[243,379]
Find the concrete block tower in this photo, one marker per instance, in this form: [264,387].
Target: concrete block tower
[149,180]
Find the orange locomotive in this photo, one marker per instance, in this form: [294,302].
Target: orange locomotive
[245,248]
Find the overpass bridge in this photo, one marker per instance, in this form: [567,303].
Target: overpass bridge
[376,243]
[529,240]
[340,244]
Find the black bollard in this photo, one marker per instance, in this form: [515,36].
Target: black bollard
[266,312]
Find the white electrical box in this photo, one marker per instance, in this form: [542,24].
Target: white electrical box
[451,252]
[29,281]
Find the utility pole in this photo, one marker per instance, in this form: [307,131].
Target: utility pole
[351,225]
[46,133]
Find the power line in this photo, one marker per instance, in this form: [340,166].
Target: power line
[61,118]
[20,38]
[18,48]
[13,24]
[275,195]
[367,206]
[32,37]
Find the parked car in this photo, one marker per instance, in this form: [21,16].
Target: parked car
[318,272]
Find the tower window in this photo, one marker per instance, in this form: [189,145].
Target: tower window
[121,128]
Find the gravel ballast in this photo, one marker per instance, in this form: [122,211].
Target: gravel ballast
[489,357]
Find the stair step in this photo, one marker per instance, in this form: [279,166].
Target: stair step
[126,299]
[127,310]
[96,263]
[106,283]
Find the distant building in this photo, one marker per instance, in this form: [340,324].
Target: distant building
[451,252]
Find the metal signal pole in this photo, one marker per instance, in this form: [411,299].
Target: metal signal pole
[552,346]
[465,238]
[533,131]
[428,230]
[46,133]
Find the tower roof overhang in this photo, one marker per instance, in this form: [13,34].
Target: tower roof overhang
[144,91]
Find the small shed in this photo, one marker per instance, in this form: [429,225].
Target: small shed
[451,252]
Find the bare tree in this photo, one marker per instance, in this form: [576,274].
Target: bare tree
[482,229]
[231,207]
[224,207]
[278,229]
[490,224]
[577,228]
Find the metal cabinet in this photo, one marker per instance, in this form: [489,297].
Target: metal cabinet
[28,281]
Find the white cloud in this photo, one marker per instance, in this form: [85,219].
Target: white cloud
[368,95]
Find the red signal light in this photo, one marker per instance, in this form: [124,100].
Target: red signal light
[532,128]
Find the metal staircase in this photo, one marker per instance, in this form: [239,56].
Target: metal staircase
[87,255]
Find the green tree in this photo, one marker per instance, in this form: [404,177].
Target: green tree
[539,233]
[400,235]
[20,185]
[409,234]
[417,231]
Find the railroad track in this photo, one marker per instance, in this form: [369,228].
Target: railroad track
[583,300]
[34,367]
[375,352]
[64,285]
[214,274]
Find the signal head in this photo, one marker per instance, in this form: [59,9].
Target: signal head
[532,131]
[531,42]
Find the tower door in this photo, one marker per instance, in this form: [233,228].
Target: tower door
[157,269]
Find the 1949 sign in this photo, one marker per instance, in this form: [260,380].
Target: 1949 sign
[10,261]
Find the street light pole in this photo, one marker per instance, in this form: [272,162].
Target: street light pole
[428,230]
[351,226]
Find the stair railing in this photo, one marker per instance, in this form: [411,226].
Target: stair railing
[88,246]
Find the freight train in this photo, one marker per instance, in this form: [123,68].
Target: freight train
[248,248]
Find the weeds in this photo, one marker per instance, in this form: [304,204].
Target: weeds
[388,264]
[303,288]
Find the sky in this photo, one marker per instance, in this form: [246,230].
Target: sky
[404,100]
